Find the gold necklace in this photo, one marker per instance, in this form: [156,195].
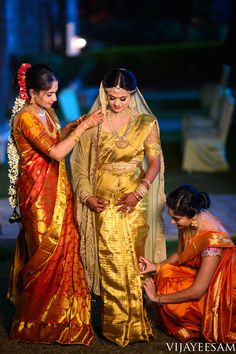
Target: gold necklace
[192,232]
[120,141]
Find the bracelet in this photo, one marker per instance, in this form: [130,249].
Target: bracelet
[137,196]
[141,190]
[84,196]
[147,181]
[159,303]
[75,136]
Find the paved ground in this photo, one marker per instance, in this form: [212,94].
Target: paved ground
[223,207]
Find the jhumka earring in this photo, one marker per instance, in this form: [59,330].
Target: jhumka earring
[131,104]
[32,99]
[194,223]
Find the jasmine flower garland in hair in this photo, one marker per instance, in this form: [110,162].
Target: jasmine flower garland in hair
[13,156]
[12,153]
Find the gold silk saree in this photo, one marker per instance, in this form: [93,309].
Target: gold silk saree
[111,243]
[47,282]
[213,317]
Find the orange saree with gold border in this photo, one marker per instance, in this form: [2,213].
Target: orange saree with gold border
[213,317]
[47,281]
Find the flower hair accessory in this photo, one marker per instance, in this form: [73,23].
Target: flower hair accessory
[13,155]
[21,80]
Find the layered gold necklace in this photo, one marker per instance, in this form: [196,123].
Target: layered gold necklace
[120,140]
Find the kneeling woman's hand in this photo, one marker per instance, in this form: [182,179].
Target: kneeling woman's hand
[150,289]
[145,266]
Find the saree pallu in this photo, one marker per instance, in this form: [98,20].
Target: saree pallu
[47,281]
[213,317]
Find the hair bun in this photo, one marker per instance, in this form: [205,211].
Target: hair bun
[205,200]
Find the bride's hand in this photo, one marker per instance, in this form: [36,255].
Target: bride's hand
[127,203]
[96,204]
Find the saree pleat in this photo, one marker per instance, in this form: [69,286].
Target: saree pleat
[124,317]
[47,281]
[121,240]
[213,317]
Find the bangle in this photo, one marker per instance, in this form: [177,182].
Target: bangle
[84,196]
[147,181]
[159,303]
[141,190]
[75,136]
[137,196]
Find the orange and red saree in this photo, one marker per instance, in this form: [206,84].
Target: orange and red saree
[47,281]
[213,317]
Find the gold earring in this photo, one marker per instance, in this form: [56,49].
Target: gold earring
[132,104]
[32,100]
[194,223]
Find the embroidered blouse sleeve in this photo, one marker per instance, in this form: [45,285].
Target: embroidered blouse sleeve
[34,131]
[212,251]
[152,145]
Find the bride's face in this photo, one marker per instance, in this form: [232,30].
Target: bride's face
[118,99]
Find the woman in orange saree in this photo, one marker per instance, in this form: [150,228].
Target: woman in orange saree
[195,288]
[47,282]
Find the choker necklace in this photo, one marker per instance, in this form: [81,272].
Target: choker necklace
[120,141]
[120,115]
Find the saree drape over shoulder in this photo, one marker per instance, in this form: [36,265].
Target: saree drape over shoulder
[213,317]
[111,242]
[47,282]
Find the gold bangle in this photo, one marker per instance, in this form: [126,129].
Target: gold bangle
[147,181]
[84,196]
[141,190]
[159,303]
[137,196]
[75,136]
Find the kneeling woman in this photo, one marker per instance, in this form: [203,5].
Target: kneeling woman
[195,288]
